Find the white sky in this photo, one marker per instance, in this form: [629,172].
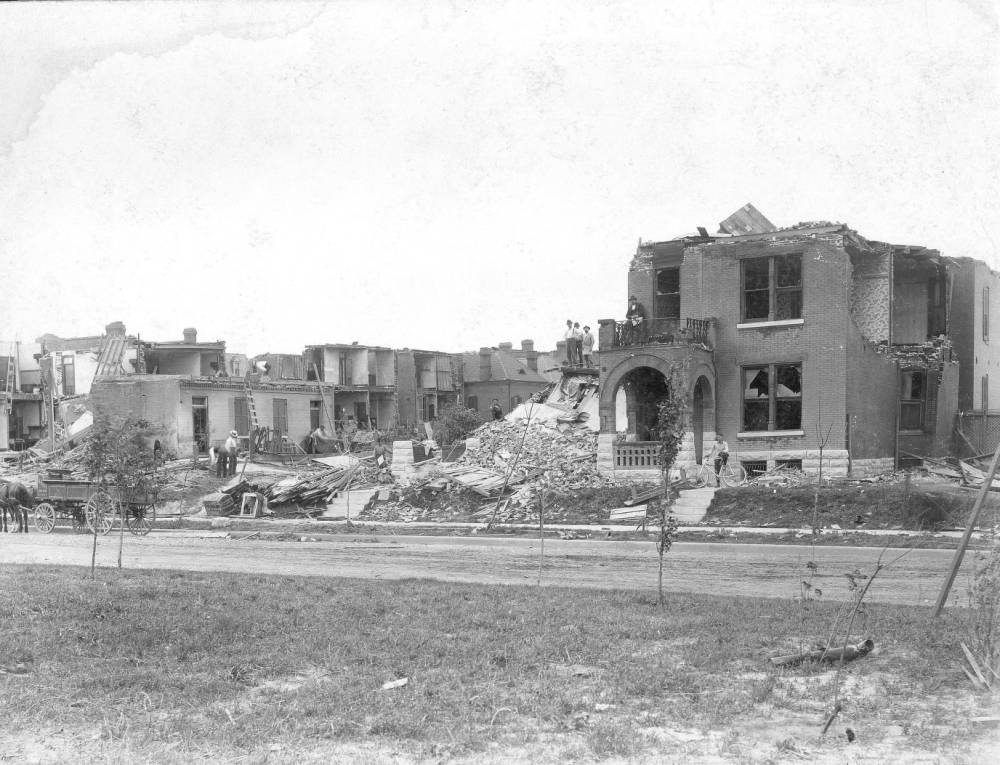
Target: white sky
[446,176]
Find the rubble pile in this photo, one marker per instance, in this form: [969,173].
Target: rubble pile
[558,458]
[565,453]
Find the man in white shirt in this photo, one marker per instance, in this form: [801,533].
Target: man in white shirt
[720,453]
[588,346]
[570,337]
[230,450]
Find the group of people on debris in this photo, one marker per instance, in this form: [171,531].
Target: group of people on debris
[579,344]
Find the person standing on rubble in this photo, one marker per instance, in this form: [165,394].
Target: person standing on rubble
[569,336]
[496,410]
[588,347]
[578,338]
[231,450]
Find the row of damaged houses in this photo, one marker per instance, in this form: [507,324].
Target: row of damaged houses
[197,392]
[809,346]
[804,345]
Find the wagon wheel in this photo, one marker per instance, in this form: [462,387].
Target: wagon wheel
[45,517]
[100,512]
[140,519]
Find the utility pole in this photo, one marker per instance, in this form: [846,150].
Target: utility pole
[973,517]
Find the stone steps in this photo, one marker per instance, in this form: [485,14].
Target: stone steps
[692,505]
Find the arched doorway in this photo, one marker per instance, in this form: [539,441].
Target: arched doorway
[644,388]
[702,415]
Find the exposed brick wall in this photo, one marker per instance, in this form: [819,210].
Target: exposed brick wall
[154,399]
[872,395]
[485,392]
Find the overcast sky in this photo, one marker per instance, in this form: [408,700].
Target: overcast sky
[451,175]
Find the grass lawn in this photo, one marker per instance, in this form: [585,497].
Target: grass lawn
[175,667]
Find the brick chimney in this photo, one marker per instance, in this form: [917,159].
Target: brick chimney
[506,347]
[530,354]
[115,329]
[190,335]
[485,364]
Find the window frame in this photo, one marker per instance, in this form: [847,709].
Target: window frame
[774,290]
[315,414]
[241,418]
[986,314]
[920,403]
[68,369]
[773,399]
[279,418]
[657,294]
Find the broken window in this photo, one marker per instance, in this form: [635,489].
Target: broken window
[912,398]
[772,288]
[668,294]
[315,408]
[772,397]
[472,402]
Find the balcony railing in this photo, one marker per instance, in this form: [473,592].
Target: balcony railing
[624,334]
[637,455]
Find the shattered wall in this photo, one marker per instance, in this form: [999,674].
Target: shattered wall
[870,296]
[155,399]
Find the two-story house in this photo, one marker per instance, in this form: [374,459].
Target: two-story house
[795,342]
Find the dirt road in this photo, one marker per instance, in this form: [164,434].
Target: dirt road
[724,569]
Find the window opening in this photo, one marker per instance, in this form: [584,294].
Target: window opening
[986,314]
[772,288]
[772,397]
[279,408]
[69,376]
[912,398]
[241,420]
[668,294]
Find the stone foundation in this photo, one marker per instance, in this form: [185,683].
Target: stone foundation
[873,466]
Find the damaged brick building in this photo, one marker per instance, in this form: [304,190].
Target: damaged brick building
[798,340]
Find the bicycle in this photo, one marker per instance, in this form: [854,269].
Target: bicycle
[730,475]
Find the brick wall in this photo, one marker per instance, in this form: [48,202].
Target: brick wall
[503,390]
[710,286]
[872,396]
[155,399]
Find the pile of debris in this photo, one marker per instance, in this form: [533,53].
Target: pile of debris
[510,462]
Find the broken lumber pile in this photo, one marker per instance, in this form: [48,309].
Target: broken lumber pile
[314,487]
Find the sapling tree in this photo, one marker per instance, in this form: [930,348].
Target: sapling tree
[455,422]
[670,428]
[117,455]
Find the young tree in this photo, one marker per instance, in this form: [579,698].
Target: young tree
[670,429]
[119,456]
[454,422]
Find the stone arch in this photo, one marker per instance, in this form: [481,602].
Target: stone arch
[617,376]
[697,371]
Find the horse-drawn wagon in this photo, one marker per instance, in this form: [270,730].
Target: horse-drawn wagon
[89,504]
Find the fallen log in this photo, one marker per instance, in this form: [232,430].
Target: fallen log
[845,653]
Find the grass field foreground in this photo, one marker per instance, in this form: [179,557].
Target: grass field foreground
[170,667]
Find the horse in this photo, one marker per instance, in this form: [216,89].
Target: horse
[15,499]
